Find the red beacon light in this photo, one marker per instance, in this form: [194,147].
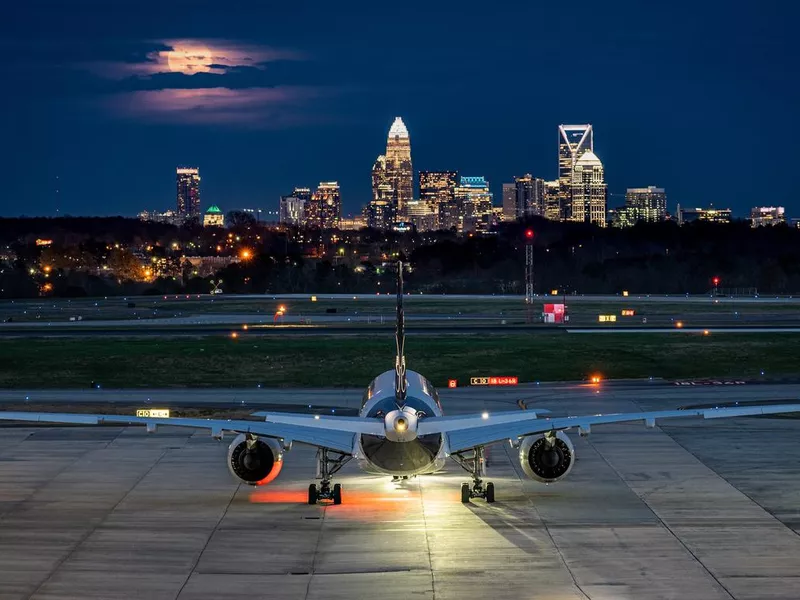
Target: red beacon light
[529,234]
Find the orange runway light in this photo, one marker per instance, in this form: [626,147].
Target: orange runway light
[234,335]
[679,324]
[706,332]
[596,379]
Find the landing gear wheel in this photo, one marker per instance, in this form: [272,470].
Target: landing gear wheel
[466,493]
[337,493]
[312,494]
[489,492]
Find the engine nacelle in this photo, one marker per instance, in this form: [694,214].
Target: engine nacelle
[255,461]
[547,459]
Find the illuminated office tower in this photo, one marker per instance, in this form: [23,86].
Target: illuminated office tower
[650,203]
[421,215]
[530,196]
[475,204]
[509,201]
[437,189]
[327,202]
[588,190]
[399,172]
[573,142]
[292,210]
[379,213]
[552,204]
[188,180]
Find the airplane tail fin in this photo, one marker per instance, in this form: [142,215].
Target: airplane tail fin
[400,383]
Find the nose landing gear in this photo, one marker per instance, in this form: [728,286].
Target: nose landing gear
[474,462]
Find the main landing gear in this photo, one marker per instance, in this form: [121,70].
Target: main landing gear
[474,462]
[327,466]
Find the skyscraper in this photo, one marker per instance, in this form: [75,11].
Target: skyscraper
[552,205]
[421,215]
[381,211]
[650,203]
[530,196]
[399,172]
[437,189]
[573,142]
[379,214]
[588,190]
[188,180]
[327,202]
[509,201]
[292,209]
[475,204]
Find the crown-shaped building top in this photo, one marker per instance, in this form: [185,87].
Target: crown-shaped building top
[398,129]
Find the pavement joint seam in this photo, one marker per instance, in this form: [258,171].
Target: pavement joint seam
[37,489]
[718,474]
[208,541]
[661,520]
[743,493]
[91,530]
[312,568]
[530,501]
[427,538]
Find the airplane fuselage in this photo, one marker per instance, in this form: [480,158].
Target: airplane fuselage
[379,455]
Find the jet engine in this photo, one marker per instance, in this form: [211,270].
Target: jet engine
[254,460]
[547,458]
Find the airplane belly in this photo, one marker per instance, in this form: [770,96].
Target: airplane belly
[379,455]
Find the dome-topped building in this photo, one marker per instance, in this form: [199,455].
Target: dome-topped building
[589,190]
[589,158]
[213,217]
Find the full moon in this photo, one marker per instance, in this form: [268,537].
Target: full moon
[189,59]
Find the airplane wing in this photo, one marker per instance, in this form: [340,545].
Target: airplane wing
[335,433]
[479,430]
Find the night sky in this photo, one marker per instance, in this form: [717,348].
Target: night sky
[102,100]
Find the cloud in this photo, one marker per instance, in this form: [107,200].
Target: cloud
[271,108]
[207,82]
[189,57]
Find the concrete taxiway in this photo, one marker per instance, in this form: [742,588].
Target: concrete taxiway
[692,509]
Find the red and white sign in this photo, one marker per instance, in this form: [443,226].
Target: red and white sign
[553,313]
[451,383]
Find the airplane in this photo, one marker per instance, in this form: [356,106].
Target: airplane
[401,431]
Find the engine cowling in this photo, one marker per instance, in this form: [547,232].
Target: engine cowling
[255,461]
[547,460]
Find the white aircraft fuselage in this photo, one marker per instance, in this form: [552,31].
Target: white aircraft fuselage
[402,452]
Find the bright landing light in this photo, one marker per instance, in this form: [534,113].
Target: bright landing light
[485,415]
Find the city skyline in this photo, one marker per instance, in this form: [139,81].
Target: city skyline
[98,94]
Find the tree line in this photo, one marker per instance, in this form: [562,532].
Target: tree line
[656,258]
